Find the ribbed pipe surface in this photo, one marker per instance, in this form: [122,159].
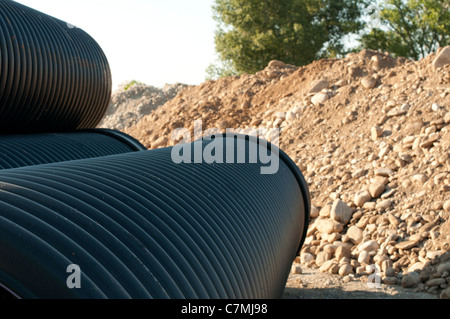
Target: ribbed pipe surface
[35,149]
[53,77]
[141,226]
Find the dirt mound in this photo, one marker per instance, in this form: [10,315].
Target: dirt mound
[132,101]
[371,135]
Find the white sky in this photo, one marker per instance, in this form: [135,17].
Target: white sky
[152,41]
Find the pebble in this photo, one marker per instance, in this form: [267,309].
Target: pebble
[296,269]
[329,226]
[319,85]
[320,98]
[341,212]
[345,270]
[377,188]
[362,197]
[355,234]
[411,280]
[368,82]
[442,58]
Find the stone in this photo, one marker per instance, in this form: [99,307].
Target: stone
[445,294]
[322,257]
[368,82]
[375,132]
[160,142]
[327,265]
[390,281]
[314,212]
[385,172]
[291,117]
[446,206]
[355,234]
[325,211]
[405,245]
[411,280]
[342,252]
[435,282]
[369,246]
[442,58]
[320,98]
[319,85]
[361,198]
[444,267]
[306,258]
[345,270]
[377,188]
[329,226]
[296,269]
[394,221]
[384,204]
[364,257]
[341,212]
[276,64]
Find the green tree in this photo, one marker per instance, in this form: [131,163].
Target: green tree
[251,33]
[410,28]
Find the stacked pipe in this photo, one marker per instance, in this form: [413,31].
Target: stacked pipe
[171,223]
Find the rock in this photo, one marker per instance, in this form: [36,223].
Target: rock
[390,281]
[341,252]
[296,269]
[364,257]
[377,188]
[322,257]
[341,212]
[160,142]
[326,266]
[314,212]
[325,211]
[276,64]
[345,270]
[320,98]
[361,198]
[355,234]
[393,220]
[435,282]
[385,204]
[442,58]
[411,280]
[444,267]
[376,132]
[329,226]
[445,294]
[369,246]
[291,117]
[306,258]
[319,86]
[369,82]
[446,206]
[386,172]
[407,244]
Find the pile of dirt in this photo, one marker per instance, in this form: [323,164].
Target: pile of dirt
[132,101]
[370,133]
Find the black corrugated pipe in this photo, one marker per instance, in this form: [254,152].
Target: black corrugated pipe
[35,149]
[167,223]
[53,77]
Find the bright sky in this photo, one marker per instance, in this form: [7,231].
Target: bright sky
[152,41]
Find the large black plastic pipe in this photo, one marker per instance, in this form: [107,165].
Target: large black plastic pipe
[36,149]
[139,225]
[53,77]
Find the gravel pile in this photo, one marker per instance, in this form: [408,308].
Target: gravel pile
[370,133]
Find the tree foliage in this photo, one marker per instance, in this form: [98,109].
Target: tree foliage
[410,28]
[251,33]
